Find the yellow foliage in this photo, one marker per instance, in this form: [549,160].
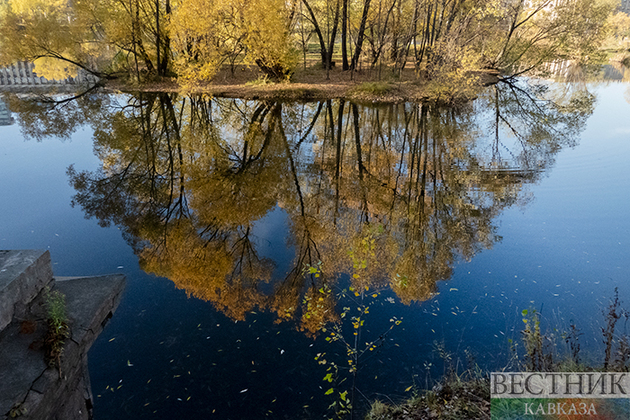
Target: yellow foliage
[36,7]
[319,310]
[453,77]
[618,26]
[267,37]
[207,33]
[197,31]
[33,29]
[54,69]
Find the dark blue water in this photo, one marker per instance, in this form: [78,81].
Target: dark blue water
[557,243]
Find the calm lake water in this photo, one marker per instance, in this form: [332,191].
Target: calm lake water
[255,234]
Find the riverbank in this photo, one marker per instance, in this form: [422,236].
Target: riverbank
[454,397]
[467,395]
[314,83]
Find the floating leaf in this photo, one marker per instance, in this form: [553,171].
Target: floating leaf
[342,395]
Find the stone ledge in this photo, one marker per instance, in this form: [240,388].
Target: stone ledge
[23,274]
[36,390]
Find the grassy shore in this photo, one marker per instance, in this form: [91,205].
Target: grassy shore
[315,83]
[454,398]
[467,395]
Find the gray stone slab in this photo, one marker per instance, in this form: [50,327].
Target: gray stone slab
[90,300]
[24,376]
[20,365]
[23,274]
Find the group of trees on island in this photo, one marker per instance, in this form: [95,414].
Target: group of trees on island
[193,39]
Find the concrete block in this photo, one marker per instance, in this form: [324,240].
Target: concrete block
[89,302]
[20,365]
[47,378]
[26,381]
[23,274]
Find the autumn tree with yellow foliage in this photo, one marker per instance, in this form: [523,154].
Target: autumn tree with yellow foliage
[442,40]
[51,33]
[209,33]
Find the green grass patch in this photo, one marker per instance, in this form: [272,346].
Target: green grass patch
[297,93]
[58,330]
[373,88]
[261,81]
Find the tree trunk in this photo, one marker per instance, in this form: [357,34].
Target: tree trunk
[381,38]
[344,35]
[139,43]
[157,37]
[276,72]
[333,35]
[360,35]
[320,36]
[163,65]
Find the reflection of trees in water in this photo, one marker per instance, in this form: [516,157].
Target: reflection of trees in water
[187,178]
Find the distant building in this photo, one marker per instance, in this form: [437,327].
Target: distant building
[22,75]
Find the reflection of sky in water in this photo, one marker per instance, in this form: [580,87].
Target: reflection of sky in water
[563,253]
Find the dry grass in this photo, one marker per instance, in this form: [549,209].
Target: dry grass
[465,397]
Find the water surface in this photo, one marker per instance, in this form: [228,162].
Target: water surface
[249,231]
